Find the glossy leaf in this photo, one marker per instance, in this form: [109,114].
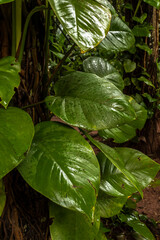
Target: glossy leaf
[103,69]
[118,166]
[107,4]
[70,225]
[127,131]
[140,166]
[109,206]
[87,22]
[154,3]
[119,38]
[17,126]
[137,225]
[8,157]
[62,166]
[5,1]
[9,79]
[88,101]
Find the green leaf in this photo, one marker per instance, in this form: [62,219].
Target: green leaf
[9,79]
[137,225]
[5,1]
[116,183]
[109,206]
[8,157]
[2,197]
[88,101]
[107,4]
[126,132]
[70,225]
[17,126]
[154,3]
[103,69]
[119,167]
[149,97]
[87,22]
[141,30]
[145,48]
[62,166]
[141,18]
[119,38]
[129,66]
[146,81]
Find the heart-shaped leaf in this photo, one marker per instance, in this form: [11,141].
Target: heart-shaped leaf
[117,161]
[103,69]
[127,131]
[73,225]
[87,22]
[17,126]
[8,157]
[119,38]
[88,101]
[62,166]
[9,79]
[140,166]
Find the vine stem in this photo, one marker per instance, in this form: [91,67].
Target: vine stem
[138,5]
[33,105]
[36,9]
[59,65]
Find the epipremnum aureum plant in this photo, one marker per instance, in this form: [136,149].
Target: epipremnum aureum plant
[55,159]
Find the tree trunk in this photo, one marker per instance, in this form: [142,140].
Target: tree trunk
[25,216]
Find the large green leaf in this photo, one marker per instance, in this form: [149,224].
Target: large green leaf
[8,157]
[5,1]
[87,22]
[9,79]
[154,3]
[103,69]
[119,38]
[119,166]
[17,126]
[63,167]
[109,206]
[115,183]
[71,225]
[137,225]
[127,131]
[88,101]
[107,4]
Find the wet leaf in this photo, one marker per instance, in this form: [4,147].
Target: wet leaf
[88,101]
[119,38]
[126,132]
[103,69]
[9,79]
[73,225]
[62,166]
[87,22]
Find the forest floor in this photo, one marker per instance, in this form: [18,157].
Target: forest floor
[150,206]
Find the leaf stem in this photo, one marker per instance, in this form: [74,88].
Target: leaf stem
[138,5]
[13,29]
